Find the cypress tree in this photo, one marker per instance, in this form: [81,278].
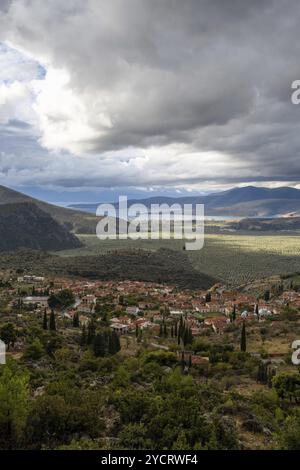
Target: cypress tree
[243,338]
[172,332]
[185,336]
[190,336]
[76,320]
[114,345]
[267,295]
[83,340]
[45,320]
[176,330]
[234,313]
[117,343]
[270,374]
[190,361]
[161,330]
[182,360]
[99,345]
[52,322]
[181,328]
[111,344]
[165,330]
[91,332]
[136,331]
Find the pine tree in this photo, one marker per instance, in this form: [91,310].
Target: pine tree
[243,338]
[52,322]
[45,320]
[76,320]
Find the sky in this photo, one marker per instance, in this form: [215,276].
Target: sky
[147,97]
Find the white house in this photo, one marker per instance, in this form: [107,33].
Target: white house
[263,312]
[41,301]
[119,328]
[244,314]
[132,310]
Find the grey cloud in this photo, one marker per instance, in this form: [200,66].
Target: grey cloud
[212,74]
[5,5]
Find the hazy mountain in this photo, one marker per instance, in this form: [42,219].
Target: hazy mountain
[25,225]
[71,219]
[249,201]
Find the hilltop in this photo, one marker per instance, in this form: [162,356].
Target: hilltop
[25,225]
[74,220]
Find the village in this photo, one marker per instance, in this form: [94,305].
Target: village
[122,342]
[134,308]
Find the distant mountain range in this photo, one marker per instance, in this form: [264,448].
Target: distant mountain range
[25,225]
[248,201]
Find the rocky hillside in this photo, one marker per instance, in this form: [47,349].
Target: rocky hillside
[25,225]
[74,220]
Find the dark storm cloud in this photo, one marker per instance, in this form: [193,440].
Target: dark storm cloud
[207,75]
[5,4]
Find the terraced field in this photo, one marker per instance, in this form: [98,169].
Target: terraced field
[233,258]
[239,259]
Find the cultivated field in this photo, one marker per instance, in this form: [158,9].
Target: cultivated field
[231,257]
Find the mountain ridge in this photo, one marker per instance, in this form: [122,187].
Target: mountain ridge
[71,219]
[248,201]
[25,225]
